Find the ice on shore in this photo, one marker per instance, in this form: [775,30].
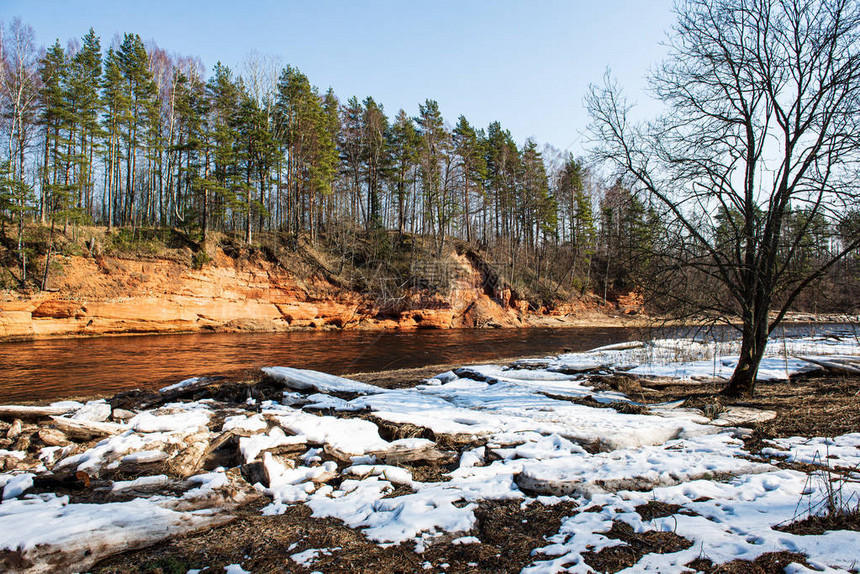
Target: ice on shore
[147,422]
[303,380]
[48,530]
[537,433]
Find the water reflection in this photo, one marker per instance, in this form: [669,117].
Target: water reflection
[65,367]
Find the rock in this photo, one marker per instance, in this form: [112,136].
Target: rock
[23,443]
[52,437]
[94,411]
[401,453]
[122,415]
[273,466]
[487,313]
[111,295]
[734,416]
[555,486]
[254,473]
[57,309]
[14,430]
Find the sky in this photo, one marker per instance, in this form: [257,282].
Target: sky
[526,64]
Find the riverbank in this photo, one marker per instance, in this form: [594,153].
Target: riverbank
[160,281]
[113,296]
[479,468]
[133,282]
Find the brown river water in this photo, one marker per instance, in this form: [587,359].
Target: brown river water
[55,368]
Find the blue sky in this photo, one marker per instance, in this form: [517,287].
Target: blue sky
[526,64]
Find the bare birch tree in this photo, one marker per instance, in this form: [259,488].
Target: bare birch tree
[762,104]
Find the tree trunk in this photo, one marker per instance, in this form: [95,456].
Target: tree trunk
[753,343]
[48,257]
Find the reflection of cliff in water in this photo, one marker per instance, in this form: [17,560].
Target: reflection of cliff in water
[68,367]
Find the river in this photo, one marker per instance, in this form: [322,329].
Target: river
[54,368]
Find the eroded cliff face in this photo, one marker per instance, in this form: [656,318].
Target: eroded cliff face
[112,295]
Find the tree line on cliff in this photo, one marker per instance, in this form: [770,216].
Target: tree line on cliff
[132,136]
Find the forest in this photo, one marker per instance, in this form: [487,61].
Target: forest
[129,136]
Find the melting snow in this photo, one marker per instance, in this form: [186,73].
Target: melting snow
[536,444]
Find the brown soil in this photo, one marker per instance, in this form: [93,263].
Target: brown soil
[769,563]
[264,544]
[636,545]
[815,525]
[816,405]
[656,509]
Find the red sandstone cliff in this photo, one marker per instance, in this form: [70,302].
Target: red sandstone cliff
[113,295]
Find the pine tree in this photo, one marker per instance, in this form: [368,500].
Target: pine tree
[403,143]
[52,70]
[537,208]
[86,71]
[115,104]
[329,135]
[350,146]
[304,128]
[434,146]
[502,157]
[374,153]
[139,89]
[223,112]
[468,147]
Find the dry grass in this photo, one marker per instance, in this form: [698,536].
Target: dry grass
[769,563]
[816,405]
[636,545]
[264,544]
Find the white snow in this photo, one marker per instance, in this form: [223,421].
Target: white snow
[724,520]
[252,446]
[466,540]
[148,422]
[392,474]
[145,456]
[19,454]
[689,359]
[302,379]
[307,557]
[155,481]
[842,451]
[94,411]
[250,424]
[351,436]
[17,485]
[536,444]
[48,525]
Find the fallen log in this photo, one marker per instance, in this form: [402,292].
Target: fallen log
[849,365]
[27,546]
[33,412]
[79,480]
[189,460]
[86,430]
